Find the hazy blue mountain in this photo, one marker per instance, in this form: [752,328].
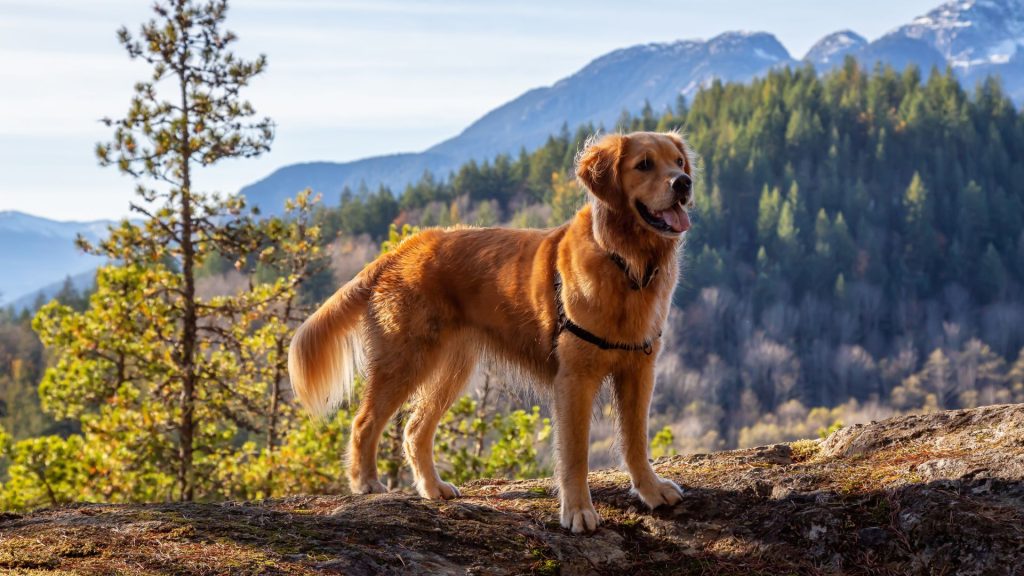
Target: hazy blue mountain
[971,33]
[329,178]
[901,51]
[977,38]
[37,252]
[833,49]
[621,80]
[82,282]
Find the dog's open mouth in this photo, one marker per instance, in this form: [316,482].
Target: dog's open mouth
[672,220]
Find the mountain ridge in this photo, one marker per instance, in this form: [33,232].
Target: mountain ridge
[14,220]
[975,38]
[42,254]
[597,93]
[834,47]
[658,73]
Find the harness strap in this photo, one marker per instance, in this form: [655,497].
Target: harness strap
[648,277]
[564,323]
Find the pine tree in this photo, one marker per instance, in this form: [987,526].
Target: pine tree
[787,236]
[839,289]
[974,218]
[186,116]
[768,209]
[566,199]
[823,235]
[486,214]
[991,275]
[920,242]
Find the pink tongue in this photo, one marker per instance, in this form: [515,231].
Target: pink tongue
[676,218]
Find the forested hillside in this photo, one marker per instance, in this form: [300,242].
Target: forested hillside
[857,251]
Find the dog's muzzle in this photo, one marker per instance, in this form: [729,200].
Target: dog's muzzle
[682,185]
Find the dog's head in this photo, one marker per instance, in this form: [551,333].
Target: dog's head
[646,174]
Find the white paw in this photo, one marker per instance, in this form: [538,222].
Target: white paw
[580,519]
[368,487]
[659,492]
[438,491]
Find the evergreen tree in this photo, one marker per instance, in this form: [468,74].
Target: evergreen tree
[187,115]
[486,214]
[566,199]
[991,275]
[920,244]
[974,228]
[787,236]
[768,209]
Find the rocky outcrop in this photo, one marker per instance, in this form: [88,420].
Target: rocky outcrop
[934,494]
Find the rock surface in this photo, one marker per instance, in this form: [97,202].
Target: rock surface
[934,494]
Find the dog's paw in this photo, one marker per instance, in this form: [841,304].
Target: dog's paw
[580,519]
[438,491]
[369,487]
[448,490]
[660,492]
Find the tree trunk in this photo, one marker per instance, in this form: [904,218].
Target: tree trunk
[186,427]
[275,400]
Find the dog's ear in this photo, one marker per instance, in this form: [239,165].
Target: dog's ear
[597,166]
[684,149]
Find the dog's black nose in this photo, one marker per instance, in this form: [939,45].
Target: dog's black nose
[682,185]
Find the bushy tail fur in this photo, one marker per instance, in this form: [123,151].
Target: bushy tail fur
[327,350]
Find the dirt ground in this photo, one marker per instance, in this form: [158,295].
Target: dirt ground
[934,494]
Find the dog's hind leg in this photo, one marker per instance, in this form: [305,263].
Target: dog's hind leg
[433,400]
[394,371]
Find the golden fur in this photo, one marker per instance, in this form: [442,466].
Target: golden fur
[424,312]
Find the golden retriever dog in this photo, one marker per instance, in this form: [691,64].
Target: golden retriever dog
[571,307]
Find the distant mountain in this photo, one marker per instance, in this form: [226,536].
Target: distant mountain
[38,252]
[833,49]
[81,282]
[971,33]
[899,52]
[622,80]
[977,38]
[329,178]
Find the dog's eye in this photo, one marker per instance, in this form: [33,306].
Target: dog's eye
[679,162]
[645,165]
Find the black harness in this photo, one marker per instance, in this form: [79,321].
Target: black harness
[565,324]
[649,273]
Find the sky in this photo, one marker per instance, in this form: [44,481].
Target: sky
[346,79]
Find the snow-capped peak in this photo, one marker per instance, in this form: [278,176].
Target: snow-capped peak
[971,32]
[834,47]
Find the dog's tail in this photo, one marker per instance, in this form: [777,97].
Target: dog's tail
[326,352]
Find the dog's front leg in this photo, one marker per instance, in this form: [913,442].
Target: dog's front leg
[574,401]
[633,389]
